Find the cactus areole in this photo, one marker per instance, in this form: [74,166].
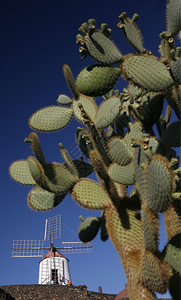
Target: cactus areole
[128,142]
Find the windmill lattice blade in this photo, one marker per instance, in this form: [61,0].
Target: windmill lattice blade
[76,247]
[27,248]
[52,228]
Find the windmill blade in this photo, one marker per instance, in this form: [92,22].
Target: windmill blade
[76,247]
[27,248]
[52,228]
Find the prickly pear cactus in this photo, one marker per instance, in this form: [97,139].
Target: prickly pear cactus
[130,141]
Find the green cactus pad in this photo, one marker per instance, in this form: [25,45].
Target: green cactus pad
[36,169]
[89,106]
[151,109]
[125,230]
[176,69]
[171,135]
[84,169]
[56,178]
[90,194]
[64,99]
[97,80]
[70,80]
[147,72]
[132,33]
[89,228]
[119,152]
[172,253]
[102,49]
[150,227]
[154,274]
[173,16]
[20,172]
[134,133]
[104,234]
[158,185]
[139,161]
[42,200]
[81,142]
[108,111]
[122,174]
[50,118]
[36,147]
[68,161]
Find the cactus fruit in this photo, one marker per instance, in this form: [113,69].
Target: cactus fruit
[128,141]
[97,80]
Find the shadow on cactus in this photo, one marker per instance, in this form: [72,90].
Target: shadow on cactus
[130,145]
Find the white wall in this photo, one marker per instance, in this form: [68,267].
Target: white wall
[59,263]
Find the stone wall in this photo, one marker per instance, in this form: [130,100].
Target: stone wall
[50,292]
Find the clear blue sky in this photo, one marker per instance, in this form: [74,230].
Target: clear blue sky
[37,38]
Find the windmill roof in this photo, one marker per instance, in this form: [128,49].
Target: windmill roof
[123,294]
[54,253]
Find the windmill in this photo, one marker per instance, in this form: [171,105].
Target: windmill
[54,266]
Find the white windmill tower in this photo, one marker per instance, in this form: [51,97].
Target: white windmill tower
[54,266]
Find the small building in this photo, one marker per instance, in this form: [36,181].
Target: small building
[54,268]
[123,295]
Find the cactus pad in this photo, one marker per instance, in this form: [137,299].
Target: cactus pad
[171,135]
[119,152]
[64,99]
[89,228]
[56,178]
[172,253]
[154,273]
[20,172]
[42,200]
[132,32]
[157,185]
[84,169]
[133,134]
[36,169]
[151,227]
[36,147]
[147,72]
[108,111]
[50,118]
[90,194]
[173,16]
[101,48]
[89,106]
[97,80]
[122,174]
[176,69]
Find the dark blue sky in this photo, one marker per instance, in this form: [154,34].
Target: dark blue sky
[37,38]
